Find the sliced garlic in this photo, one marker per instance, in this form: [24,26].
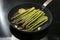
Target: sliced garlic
[16,26]
[39,28]
[21,10]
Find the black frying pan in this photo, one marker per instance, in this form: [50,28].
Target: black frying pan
[27,35]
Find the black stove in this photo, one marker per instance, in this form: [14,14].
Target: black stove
[54,7]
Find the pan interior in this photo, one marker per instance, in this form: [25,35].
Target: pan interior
[14,10]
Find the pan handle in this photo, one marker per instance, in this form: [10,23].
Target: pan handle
[46,3]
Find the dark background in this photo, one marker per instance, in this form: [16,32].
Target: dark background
[54,7]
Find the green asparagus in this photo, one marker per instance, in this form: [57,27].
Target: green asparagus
[29,16]
[39,20]
[30,20]
[38,25]
[35,18]
[23,15]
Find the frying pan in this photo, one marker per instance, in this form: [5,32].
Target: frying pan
[34,35]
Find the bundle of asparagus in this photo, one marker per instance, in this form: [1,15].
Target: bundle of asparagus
[30,19]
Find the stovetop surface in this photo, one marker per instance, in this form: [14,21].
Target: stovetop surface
[54,7]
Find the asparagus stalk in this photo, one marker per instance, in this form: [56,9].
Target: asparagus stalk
[23,15]
[30,15]
[37,22]
[28,12]
[19,15]
[27,16]
[38,25]
[30,18]
[35,18]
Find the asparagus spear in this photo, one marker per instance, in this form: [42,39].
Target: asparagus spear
[19,15]
[27,16]
[23,15]
[28,12]
[38,25]
[37,22]
[30,15]
[35,18]
[30,18]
